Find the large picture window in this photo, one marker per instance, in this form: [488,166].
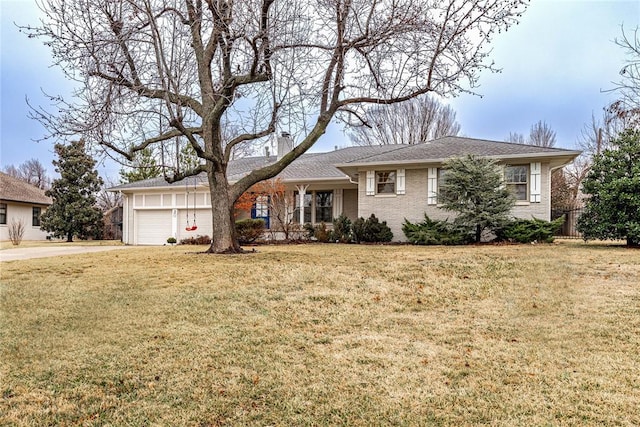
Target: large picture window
[324,206]
[385,182]
[515,178]
[35,218]
[318,207]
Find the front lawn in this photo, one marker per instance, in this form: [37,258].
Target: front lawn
[323,335]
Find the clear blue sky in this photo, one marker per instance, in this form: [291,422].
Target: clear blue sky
[557,65]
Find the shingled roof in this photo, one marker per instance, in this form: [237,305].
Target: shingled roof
[455,146]
[15,190]
[335,165]
[308,167]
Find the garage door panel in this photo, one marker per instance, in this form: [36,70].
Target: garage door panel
[153,226]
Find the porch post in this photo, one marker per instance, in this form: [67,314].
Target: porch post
[302,190]
[288,209]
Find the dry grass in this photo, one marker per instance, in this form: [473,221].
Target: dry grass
[6,244]
[324,335]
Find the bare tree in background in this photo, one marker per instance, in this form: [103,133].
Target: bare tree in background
[412,122]
[151,71]
[107,200]
[542,135]
[629,83]
[516,138]
[32,172]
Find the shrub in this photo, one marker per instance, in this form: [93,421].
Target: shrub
[358,230]
[371,230]
[197,240]
[171,240]
[317,232]
[341,229]
[16,231]
[321,233]
[530,230]
[309,230]
[249,230]
[433,232]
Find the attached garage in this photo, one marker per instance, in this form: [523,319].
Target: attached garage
[203,221]
[153,226]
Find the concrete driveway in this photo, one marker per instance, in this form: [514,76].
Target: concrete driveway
[44,252]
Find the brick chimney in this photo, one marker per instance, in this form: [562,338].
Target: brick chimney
[285,144]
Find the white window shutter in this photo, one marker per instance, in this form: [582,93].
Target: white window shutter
[536,184]
[400,181]
[337,202]
[371,176]
[432,186]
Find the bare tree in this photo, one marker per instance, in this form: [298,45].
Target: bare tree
[32,172]
[414,121]
[16,231]
[516,138]
[154,70]
[542,135]
[629,83]
[107,200]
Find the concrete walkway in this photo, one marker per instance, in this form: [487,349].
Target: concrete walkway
[52,251]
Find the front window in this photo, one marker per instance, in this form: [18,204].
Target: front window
[324,206]
[3,213]
[386,182]
[35,219]
[515,178]
[318,207]
[308,199]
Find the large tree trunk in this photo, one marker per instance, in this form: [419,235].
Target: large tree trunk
[224,239]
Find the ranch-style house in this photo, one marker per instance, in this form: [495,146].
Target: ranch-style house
[393,182]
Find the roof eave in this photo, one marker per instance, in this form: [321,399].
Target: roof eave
[501,157]
[30,202]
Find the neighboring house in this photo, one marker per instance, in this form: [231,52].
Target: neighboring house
[113,223]
[20,201]
[393,182]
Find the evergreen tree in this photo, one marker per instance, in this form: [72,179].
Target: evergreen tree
[74,211]
[144,166]
[473,188]
[613,210]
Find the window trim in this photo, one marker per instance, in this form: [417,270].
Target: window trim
[311,209]
[512,184]
[318,207]
[3,213]
[390,173]
[35,219]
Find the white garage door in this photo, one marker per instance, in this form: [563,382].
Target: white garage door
[153,227]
